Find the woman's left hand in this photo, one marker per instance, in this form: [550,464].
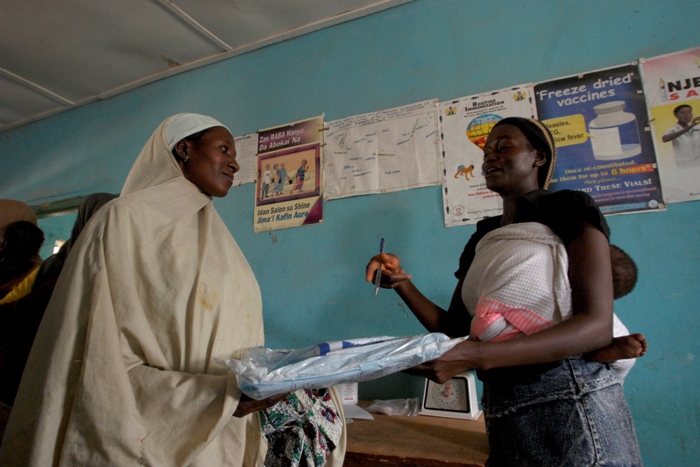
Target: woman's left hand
[461,357]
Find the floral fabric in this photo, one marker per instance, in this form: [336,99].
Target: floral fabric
[302,429]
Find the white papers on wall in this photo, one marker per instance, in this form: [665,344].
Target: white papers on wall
[464,125]
[383,151]
[246,149]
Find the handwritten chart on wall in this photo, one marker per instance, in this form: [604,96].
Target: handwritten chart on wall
[381,152]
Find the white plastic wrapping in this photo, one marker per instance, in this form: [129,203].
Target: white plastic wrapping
[263,372]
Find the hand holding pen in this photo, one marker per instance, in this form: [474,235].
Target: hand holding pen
[378,277]
[384,270]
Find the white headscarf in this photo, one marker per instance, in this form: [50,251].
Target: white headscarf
[183,125]
[156,164]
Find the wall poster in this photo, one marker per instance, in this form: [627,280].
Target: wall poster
[289,176]
[382,152]
[672,88]
[464,125]
[604,147]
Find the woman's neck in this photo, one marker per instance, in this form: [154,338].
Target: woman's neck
[510,204]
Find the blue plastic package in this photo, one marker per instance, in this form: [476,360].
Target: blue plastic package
[263,372]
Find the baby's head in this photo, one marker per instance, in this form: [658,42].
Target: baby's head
[624,272]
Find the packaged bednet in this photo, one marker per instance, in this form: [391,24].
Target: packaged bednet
[263,372]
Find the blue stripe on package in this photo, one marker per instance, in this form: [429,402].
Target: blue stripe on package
[263,372]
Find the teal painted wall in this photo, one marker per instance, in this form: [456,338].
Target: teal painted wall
[312,277]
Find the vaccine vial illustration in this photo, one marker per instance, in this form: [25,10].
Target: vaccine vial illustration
[614,132]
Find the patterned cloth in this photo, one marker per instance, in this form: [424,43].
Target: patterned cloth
[302,429]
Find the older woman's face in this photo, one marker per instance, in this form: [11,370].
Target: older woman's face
[510,162]
[212,162]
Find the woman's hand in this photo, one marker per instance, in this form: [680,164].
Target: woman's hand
[462,357]
[433,317]
[392,273]
[248,405]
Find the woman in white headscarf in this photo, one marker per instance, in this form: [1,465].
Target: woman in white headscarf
[123,369]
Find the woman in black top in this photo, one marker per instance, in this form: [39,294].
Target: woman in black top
[544,404]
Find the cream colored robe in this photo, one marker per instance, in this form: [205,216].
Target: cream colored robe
[122,371]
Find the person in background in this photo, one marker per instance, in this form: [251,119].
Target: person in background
[20,243]
[122,370]
[685,136]
[541,376]
[21,316]
[19,248]
[17,273]
[52,266]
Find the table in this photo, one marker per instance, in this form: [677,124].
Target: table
[416,441]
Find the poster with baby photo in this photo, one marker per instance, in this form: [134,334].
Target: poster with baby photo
[464,125]
[289,176]
[672,89]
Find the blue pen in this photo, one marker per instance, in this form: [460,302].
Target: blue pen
[378,277]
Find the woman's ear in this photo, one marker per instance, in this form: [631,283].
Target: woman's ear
[540,159]
[182,150]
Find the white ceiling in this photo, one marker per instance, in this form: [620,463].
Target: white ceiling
[59,54]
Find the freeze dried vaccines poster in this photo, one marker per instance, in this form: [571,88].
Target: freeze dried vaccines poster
[672,89]
[464,125]
[604,147]
[381,152]
[289,178]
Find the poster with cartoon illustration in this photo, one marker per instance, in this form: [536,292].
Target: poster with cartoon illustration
[289,176]
[384,151]
[672,89]
[604,146]
[464,125]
